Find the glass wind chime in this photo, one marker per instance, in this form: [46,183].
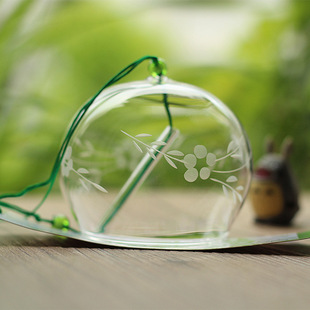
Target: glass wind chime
[148,164]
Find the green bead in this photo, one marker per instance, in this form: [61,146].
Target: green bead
[61,222]
[158,68]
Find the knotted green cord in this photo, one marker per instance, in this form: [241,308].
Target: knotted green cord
[158,69]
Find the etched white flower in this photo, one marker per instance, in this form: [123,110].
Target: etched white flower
[190,161]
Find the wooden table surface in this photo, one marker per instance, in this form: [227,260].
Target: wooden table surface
[40,271]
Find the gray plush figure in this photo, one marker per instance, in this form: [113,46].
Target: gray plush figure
[274,193]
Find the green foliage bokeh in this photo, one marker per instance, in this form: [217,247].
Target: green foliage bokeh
[49,71]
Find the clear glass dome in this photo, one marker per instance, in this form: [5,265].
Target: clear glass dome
[156,165]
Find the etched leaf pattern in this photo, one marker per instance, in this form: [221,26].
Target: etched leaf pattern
[170,162]
[158,143]
[83,171]
[225,191]
[151,153]
[231,146]
[143,135]
[151,149]
[67,167]
[231,179]
[175,153]
[137,146]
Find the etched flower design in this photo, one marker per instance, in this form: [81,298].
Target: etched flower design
[201,153]
[67,167]
[190,161]
[229,184]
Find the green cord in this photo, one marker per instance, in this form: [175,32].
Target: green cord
[165,100]
[157,68]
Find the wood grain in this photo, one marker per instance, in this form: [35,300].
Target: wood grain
[39,271]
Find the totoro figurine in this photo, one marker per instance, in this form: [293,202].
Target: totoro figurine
[274,193]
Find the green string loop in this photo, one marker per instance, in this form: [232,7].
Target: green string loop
[157,67]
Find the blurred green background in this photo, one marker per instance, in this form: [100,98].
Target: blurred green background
[54,55]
